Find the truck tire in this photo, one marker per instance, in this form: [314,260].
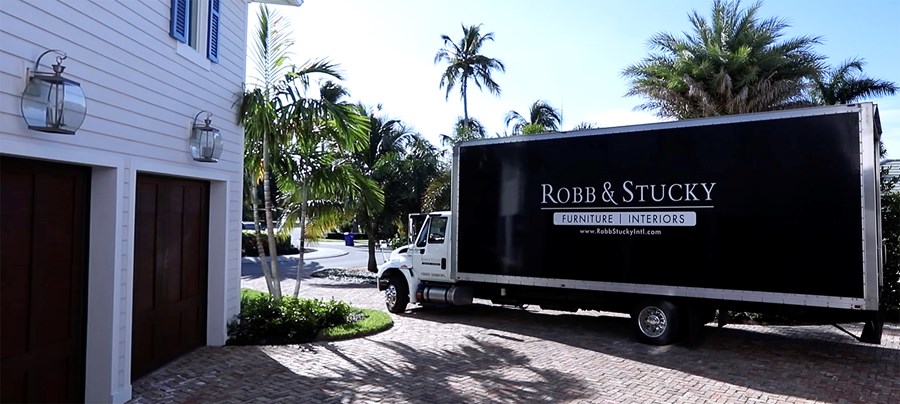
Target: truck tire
[396,295]
[655,322]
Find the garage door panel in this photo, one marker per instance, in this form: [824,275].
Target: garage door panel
[43,256]
[15,311]
[50,325]
[142,349]
[170,282]
[49,381]
[145,237]
[18,198]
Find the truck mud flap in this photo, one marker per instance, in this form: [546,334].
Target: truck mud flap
[873,329]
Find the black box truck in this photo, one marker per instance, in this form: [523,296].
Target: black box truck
[668,222]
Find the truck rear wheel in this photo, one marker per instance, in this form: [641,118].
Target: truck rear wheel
[396,295]
[656,322]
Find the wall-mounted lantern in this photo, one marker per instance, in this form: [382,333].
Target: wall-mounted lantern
[206,142]
[50,102]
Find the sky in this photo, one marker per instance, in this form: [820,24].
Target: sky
[569,53]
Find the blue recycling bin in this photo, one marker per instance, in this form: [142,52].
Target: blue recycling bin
[348,239]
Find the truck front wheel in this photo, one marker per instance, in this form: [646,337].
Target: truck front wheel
[396,295]
[656,322]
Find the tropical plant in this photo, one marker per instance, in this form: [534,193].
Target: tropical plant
[258,116]
[731,63]
[437,195]
[291,134]
[846,83]
[264,320]
[422,165]
[543,118]
[465,62]
[585,125]
[464,130]
[380,162]
[316,164]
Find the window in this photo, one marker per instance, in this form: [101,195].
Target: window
[438,230]
[420,241]
[196,24]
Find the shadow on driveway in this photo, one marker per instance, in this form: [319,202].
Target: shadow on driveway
[812,362]
[485,368]
[325,373]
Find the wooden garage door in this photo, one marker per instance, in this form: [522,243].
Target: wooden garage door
[43,267]
[170,260]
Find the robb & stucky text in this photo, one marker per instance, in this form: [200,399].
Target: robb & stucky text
[627,192]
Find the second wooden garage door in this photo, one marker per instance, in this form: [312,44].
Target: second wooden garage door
[170,269]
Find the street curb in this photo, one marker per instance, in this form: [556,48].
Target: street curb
[320,253]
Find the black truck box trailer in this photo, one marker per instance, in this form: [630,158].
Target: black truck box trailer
[670,222]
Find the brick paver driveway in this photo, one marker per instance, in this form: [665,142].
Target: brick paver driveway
[486,354]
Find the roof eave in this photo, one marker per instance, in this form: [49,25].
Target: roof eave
[294,3]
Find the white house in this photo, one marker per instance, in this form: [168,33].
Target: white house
[120,251]
[893,171]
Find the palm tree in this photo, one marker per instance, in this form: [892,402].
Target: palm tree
[585,125]
[259,117]
[732,63]
[437,194]
[465,62]
[379,162]
[464,130]
[423,165]
[543,118]
[845,84]
[316,162]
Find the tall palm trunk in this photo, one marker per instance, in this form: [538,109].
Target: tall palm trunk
[373,264]
[301,262]
[465,83]
[369,225]
[273,247]
[260,248]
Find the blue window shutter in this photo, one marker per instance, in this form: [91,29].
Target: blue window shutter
[179,24]
[212,44]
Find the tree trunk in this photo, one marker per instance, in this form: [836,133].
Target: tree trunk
[301,262]
[260,248]
[465,107]
[373,264]
[273,248]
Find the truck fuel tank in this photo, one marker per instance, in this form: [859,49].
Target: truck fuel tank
[457,295]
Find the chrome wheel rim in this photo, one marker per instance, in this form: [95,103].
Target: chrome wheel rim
[390,296]
[652,321]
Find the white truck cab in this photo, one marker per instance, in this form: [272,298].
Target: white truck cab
[424,274]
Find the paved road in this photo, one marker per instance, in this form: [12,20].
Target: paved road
[488,354]
[329,254]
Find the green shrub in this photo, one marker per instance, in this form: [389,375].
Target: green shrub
[265,321]
[890,231]
[282,244]
[397,241]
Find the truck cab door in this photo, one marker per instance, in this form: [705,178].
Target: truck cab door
[429,255]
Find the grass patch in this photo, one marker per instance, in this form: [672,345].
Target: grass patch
[251,293]
[375,321]
[264,321]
